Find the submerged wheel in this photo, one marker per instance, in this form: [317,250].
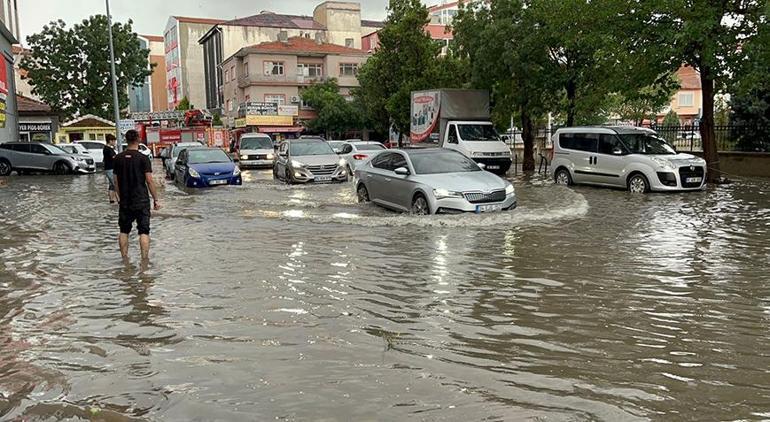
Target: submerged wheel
[5,168]
[562,177]
[362,193]
[638,184]
[420,205]
[60,168]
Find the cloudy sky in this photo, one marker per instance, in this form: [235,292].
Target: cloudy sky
[150,16]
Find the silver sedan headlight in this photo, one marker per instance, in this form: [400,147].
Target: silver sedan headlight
[509,190]
[444,193]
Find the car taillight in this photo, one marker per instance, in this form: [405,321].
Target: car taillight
[360,156]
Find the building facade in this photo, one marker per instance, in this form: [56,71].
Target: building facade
[332,22]
[37,122]
[439,28]
[276,72]
[687,102]
[152,95]
[9,35]
[184,59]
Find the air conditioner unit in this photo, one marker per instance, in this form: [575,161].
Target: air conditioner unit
[294,99]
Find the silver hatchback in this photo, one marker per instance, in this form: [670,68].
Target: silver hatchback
[37,156]
[432,181]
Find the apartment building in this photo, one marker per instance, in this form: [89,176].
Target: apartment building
[439,27]
[687,102]
[184,59]
[276,72]
[152,95]
[332,22]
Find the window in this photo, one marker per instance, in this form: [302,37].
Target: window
[348,69]
[227,75]
[608,144]
[350,43]
[273,68]
[232,72]
[39,149]
[245,68]
[579,141]
[227,106]
[347,149]
[686,99]
[384,161]
[309,70]
[21,147]
[233,104]
[452,135]
[279,99]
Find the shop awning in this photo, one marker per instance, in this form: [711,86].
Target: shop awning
[280,129]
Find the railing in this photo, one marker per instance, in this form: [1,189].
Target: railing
[247,80]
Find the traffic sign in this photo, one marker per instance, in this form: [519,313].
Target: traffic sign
[125,125]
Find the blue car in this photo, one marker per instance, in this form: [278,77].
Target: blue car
[204,167]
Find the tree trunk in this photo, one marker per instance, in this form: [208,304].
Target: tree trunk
[528,136]
[571,94]
[708,137]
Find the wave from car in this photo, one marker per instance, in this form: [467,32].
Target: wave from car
[432,181]
[204,167]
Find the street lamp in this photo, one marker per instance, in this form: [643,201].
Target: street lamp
[116,104]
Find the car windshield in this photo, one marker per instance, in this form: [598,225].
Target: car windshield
[56,150]
[369,147]
[442,162]
[205,156]
[642,143]
[256,143]
[301,148]
[478,133]
[179,148]
[69,149]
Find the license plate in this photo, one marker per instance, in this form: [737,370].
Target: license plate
[323,179]
[489,208]
[493,167]
[693,179]
[218,182]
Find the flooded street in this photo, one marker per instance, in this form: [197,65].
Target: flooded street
[275,302]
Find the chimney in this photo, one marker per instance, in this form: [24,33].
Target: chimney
[283,37]
[320,38]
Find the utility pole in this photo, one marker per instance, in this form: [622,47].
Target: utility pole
[116,104]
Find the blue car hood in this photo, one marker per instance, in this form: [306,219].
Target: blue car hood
[212,168]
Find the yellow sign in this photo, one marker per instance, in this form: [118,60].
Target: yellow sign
[239,123]
[269,121]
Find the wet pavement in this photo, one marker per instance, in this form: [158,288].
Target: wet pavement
[270,302]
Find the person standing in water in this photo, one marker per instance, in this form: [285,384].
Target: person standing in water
[133,180]
[109,165]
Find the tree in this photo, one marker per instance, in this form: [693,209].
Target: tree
[217,119]
[709,36]
[407,60]
[670,126]
[70,68]
[336,115]
[184,104]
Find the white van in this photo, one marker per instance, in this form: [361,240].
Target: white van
[479,141]
[256,150]
[628,157]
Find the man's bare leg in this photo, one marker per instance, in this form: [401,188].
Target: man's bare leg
[123,242]
[144,245]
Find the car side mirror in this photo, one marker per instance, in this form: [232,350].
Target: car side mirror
[482,166]
[402,171]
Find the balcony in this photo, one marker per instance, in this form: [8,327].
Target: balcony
[290,80]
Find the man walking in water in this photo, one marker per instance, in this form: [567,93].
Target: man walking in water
[133,178]
[109,165]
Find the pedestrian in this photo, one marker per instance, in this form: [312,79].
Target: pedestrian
[109,165]
[133,179]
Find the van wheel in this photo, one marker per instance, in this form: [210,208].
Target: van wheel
[362,193]
[637,183]
[61,168]
[562,177]
[5,168]
[420,205]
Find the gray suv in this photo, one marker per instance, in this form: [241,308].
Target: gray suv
[37,156]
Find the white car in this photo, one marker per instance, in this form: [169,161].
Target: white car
[142,148]
[95,149]
[626,157]
[82,155]
[358,152]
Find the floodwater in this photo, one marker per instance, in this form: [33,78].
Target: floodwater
[270,302]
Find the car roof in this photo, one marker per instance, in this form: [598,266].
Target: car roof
[306,140]
[604,129]
[426,151]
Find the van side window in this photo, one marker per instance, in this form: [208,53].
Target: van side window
[452,135]
[587,142]
[609,143]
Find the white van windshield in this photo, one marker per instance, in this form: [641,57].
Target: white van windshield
[478,133]
[642,143]
[256,143]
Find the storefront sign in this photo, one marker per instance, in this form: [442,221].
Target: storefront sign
[269,121]
[125,125]
[3,90]
[218,139]
[239,123]
[34,127]
[288,110]
[258,109]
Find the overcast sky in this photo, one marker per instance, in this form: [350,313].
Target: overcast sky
[150,16]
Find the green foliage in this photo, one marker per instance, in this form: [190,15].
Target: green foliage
[406,60]
[69,68]
[217,119]
[671,119]
[184,105]
[336,115]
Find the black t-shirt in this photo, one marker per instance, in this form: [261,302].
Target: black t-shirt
[130,169]
[109,157]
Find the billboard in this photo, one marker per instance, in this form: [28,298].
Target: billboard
[3,90]
[424,114]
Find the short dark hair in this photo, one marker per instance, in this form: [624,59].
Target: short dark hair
[132,136]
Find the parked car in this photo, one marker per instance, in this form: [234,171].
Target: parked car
[626,157]
[96,149]
[37,156]
[432,181]
[142,148]
[82,154]
[256,150]
[358,152]
[307,160]
[202,167]
[173,153]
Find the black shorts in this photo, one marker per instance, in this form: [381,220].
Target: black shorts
[127,217]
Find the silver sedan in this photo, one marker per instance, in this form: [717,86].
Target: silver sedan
[432,181]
